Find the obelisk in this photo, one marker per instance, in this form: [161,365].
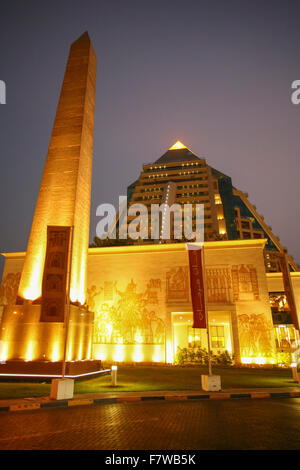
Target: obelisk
[59,237]
[65,191]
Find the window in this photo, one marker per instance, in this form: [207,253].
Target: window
[286,337]
[245,224]
[194,337]
[217,338]
[278,302]
[246,235]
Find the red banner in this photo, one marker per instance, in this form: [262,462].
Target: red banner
[197,287]
[288,288]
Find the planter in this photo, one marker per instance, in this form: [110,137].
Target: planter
[62,389]
[211,383]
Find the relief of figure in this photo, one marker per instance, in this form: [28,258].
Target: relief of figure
[255,335]
[56,260]
[178,284]
[58,238]
[129,320]
[52,308]
[245,284]
[92,293]
[152,297]
[54,282]
[154,284]
[103,326]
[158,328]
[9,288]
[177,280]
[130,304]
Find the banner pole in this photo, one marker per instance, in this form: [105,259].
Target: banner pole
[206,314]
[291,290]
[67,316]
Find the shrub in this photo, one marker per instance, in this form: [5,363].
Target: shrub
[284,358]
[200,356]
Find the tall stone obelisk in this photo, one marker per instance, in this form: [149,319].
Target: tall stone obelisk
[54,270]
[65,191]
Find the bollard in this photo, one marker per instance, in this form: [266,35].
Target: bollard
[114,370]
[294,371]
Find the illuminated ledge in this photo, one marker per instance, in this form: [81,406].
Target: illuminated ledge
[20,254]
[295,274]
[48,368]
[50,376]
[166,247]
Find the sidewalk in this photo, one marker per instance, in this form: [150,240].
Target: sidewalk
[23,404]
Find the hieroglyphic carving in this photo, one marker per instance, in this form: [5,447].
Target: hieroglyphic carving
[55,274]
[178,284]
[254,281]
[153,287]
[9,288]
[245,282]
[218,283]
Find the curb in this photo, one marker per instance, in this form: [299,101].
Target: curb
[131,399]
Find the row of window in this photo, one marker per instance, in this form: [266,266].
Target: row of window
[163,175]
[192,201]
[196,193]
[190,186]
[144,182]
[245,228]
[217,337]
[156,188]
[247,235]
[286,337]
[175,167]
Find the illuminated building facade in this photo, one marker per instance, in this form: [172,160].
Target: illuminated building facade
[140,297]
[181,177]
[133,303]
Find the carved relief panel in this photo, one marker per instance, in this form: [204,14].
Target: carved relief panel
[218,283]
[54,285]
[177,284]
[245,282]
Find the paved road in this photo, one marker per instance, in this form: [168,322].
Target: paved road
[211,424]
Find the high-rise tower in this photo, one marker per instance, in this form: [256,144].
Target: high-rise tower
[228,213]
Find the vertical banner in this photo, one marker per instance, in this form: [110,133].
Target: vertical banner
[288,288]
[197,287]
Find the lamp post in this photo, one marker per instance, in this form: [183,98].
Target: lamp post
[114,370]
[206,315]
[210,382]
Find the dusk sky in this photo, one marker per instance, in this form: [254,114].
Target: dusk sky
[215,74]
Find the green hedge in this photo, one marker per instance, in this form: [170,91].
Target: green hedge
[200,356]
